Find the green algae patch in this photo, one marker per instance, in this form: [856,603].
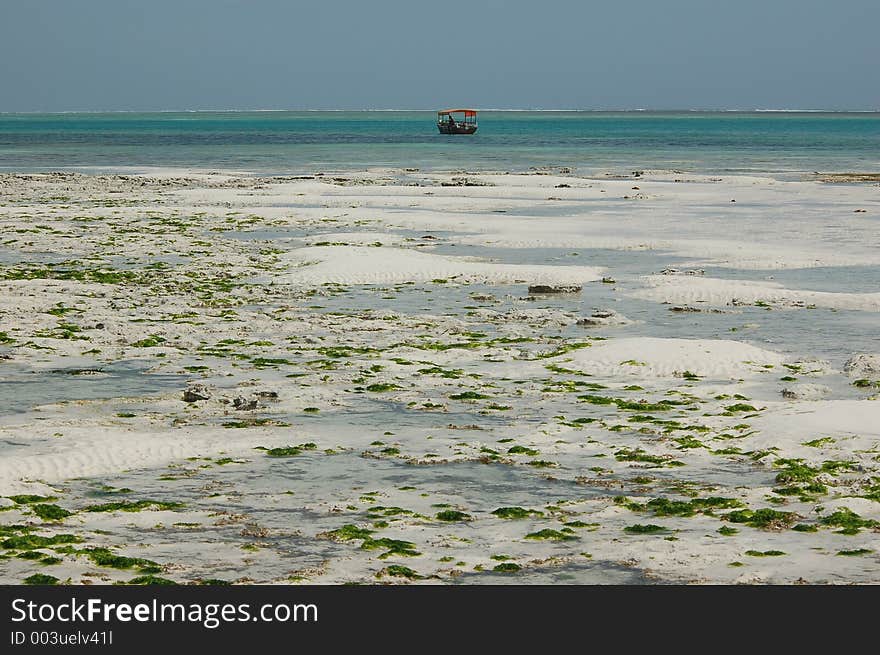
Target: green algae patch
[649,528]
[451,374]
[31,554]
[822,441]
[150,580]
[548,534]
[41,579]
[765,518]
[63,331]
[291,451]
[347,532]
[507,567]
[469,395]
[581,524]
[342,352]
[855,553]
[542,464]
[66,271]
[452,515]
[398,571]
[49,560]
[391,547]
[765,553]
[27,499]
[516,513]
[49,512]
[32,541]
[106,558]
[639,455]
[382,387]
[873,492]
[380,510]
[636,406]
[667,507]
[596,400]
[523,450]
[254,423]
[796,471]
[467,345]
[270,362]
[739,407]
[133,506]
[848,521]
[151,341]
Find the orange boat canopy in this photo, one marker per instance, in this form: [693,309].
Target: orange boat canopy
[466,112]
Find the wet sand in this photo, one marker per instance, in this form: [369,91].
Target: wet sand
[345,378]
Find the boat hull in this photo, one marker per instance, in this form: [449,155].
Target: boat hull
[459,128]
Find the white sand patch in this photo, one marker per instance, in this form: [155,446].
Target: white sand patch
[364,265]
[652,357]
[84,451]
[824,417]
[854,424]
[718,292]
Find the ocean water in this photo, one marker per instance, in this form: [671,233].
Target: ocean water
[781,143]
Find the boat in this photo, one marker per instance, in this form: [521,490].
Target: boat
[457,121]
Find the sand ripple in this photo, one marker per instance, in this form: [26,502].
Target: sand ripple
[366,265]
[653,357]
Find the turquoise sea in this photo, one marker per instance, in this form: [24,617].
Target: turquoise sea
[282,142]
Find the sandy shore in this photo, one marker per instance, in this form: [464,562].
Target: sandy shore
[347,378]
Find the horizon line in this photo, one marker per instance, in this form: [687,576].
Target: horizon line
[487,109]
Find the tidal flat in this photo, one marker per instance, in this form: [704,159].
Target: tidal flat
[212,378]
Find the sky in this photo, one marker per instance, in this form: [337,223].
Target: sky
[82,55]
